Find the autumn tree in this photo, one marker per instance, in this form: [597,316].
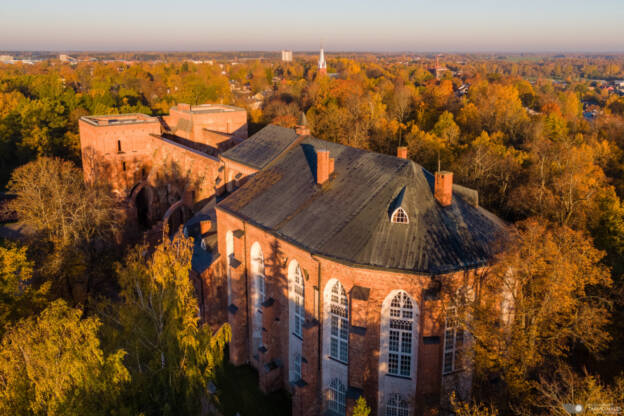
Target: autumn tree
[53,364]
[471,409]
[361,407]
[74,222]
[562,182]
[564,391]
[171,356]
[491,168]
[544,295]
[19,295]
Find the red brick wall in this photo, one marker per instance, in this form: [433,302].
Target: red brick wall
[363,349]
[101,158]
[230,122]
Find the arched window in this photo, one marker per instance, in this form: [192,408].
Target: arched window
[296,313]
[399,216]
[453,343]
[257,275]
[339,321]
[337,398]
[397,406]
[229,250]
[297,296]
[397,353]
[400,335]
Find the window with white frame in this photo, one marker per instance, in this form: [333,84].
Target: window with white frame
[257,270]
[400,216]
[297,367]
[400,335]
[296,316]
[337,398]
[453,343]
[298,297]
[339,321]
[397,406]
[229,248]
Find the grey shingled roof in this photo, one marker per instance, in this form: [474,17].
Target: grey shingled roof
[348,218]
[261,148]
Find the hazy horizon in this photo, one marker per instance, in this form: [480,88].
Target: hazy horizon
[479,26]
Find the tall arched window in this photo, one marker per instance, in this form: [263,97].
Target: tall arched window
[337,398]
[229,250]
[296,314]
[297,297]
[258,285]
[397,406]
[339,322]
[398,352]
[400,336]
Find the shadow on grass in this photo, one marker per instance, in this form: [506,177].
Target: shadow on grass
[238,392]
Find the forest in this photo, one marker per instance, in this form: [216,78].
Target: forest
[89,325]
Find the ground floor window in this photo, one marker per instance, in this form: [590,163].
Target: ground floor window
[297,367]
[337,400]
[397,406]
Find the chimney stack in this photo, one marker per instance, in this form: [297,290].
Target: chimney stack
[402,152]
[184,107]
[323,164]
[443,188]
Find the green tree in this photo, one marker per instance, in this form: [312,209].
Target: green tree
[171,356]
[52,364]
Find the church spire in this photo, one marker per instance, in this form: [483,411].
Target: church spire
[322,65]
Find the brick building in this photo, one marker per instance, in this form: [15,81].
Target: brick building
[327,261]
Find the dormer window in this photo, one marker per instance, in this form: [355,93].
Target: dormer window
[399,216]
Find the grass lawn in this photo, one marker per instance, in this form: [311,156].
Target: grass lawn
[238,392]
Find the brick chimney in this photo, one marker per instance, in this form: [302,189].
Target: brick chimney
[402,152]
[184,107]
[323,165]
[443,189]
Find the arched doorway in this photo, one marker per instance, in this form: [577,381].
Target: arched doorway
[142,208]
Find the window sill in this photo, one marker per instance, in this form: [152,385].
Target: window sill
[346,364]
[450,373]
[398,376]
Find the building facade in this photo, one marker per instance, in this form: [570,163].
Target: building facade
[327,261]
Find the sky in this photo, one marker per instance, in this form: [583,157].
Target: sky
[341,25]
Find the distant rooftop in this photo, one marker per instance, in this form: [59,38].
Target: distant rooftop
[206,108]
[119,119]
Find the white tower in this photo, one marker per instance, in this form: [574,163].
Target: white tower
[322,65]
